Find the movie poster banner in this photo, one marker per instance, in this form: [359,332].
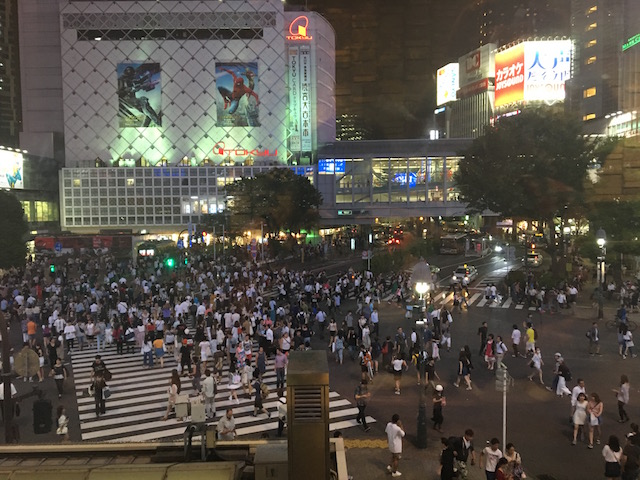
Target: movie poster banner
[11,170]
[238,100]
[139,95]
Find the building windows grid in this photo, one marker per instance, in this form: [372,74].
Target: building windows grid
[178,194]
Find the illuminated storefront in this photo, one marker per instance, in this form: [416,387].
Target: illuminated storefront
[402,178]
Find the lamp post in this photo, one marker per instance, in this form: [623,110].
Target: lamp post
[601,240]
[421,278]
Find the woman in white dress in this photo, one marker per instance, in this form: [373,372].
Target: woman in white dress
[579,417]
[235,382]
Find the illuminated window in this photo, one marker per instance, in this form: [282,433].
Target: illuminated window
[131,182]
[590,60]
[591,43]
[589,116]
[589,92]
[76,182]
[593,26]
[592,9]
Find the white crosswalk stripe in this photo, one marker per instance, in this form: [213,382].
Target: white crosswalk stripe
[139,400]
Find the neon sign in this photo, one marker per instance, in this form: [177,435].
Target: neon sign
[631,42]
[298,29]
[220,149]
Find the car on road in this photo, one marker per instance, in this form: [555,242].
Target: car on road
[467,272]
[532,259]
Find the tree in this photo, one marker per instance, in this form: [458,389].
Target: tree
[13,230]
[530,166]
[278,198]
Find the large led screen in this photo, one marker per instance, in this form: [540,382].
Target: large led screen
[447,84]
[139,95]
[534,71]
[11,173]
[238,100]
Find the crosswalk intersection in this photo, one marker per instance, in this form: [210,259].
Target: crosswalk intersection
[139,400]
[475,299]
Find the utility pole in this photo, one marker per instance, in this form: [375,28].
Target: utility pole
[7,404]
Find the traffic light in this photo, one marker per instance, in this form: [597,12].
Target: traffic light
[170,262]
[186,261]
[52,268]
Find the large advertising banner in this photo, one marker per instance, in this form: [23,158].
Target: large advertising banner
[295,122]
[11,175]
[139,95]
[447,84]
[510,75]
[477,65]
[547,68]
[238,100]
[305,99]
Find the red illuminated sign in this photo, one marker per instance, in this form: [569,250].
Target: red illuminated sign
[298,29]
[220,149]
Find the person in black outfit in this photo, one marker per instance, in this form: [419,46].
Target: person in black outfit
[59,374]
[446,460]
[99,384]
[483,330]
[362,395]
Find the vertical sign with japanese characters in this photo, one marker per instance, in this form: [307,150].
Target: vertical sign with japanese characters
[305,99]
[295,121]
[510,75]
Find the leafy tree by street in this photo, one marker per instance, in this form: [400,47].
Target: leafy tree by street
[278,198]
[530,166]
[13,230]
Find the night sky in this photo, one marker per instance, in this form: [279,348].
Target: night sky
[387,52]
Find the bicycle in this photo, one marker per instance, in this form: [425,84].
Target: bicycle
[614,323]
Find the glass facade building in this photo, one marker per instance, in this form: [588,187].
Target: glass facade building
[159,199]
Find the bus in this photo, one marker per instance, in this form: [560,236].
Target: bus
[453,244]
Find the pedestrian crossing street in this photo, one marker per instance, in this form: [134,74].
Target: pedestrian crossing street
[477,299]
[139,400]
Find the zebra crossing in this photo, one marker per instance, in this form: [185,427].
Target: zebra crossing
[479,300]
[139,400]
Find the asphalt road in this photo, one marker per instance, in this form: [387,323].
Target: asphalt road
[537,420]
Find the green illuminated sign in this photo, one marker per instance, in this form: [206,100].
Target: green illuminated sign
[631,42]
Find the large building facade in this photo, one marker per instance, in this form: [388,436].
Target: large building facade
[191,82]
[10,111]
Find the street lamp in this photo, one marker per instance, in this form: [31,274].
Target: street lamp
[601,240]
[421,278]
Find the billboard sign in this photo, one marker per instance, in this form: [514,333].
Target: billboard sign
[330,166]
[306,143]
[299,29]
[547,68]
[447,84]
[294,99]
[139,95]
[533,71]
[509,74]
[477,65]
[237,100]
[11,170]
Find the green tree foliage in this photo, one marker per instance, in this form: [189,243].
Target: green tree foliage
[278,198]
[13,231]
[621,221]
[528,166]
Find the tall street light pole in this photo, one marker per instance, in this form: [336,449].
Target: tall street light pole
[601,240]
[421,278]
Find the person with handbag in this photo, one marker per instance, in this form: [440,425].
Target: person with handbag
[612,453]
[514,467]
